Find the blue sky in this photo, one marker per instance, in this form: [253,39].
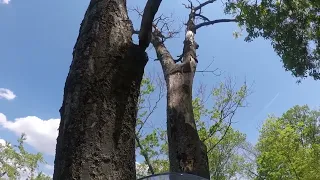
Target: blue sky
[36,42]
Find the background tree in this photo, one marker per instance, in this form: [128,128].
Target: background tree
[249,153]
[289,146]
[17,163]
[98,114]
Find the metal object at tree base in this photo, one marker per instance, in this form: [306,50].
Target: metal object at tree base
[173,176]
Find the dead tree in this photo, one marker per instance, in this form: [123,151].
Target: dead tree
[98,115]
[186,151]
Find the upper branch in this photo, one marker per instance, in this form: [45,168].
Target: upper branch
[214,22]
[202,17]
[163,54]
[160,32]
[202,5]
[149,12]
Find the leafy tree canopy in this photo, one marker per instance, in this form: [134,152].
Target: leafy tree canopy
[291,25]
[289,146]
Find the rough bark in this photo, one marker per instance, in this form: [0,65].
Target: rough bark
[98,115]
[186,151]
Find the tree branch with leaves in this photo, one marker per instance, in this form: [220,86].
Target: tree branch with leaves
[16,162]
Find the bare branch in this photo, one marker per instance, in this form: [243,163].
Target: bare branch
[203,4]
[149,12]
[163,24]
[202,17]
[210,71]
[162,52]
[151,110]
[214,22]
[188,6]
[213,72]
[158,38]
[227,104]
[224,134]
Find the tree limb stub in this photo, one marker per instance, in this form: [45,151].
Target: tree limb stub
[149,12]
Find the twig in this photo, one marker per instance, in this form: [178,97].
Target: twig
[225,133]
[160,96]
[213,72]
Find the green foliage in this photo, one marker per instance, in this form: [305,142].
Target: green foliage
[214,128]
[224,160]
[289,146]
[151,142]
[291,25]
[14,159]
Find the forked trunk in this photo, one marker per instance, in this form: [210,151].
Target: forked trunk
[186,151]
[98,116]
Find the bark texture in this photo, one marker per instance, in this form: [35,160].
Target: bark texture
[98,116]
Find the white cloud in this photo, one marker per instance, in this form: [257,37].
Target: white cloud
[5,1]
[7,94]
[2,142]
[40,134]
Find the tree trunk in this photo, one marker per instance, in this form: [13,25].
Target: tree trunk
[98,115]
[186,151]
